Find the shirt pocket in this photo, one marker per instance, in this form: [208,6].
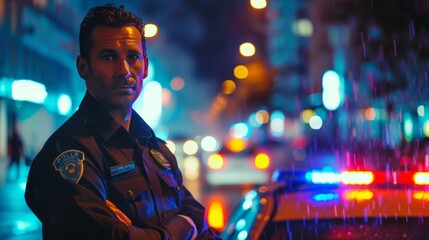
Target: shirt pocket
[171,190]
[132,194]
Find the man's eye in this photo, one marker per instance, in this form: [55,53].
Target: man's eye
[108,58]
[135,56]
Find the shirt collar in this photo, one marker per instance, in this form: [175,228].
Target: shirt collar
[106,125]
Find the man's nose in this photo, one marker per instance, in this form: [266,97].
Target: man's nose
[124,69]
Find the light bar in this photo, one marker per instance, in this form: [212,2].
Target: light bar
[352,177]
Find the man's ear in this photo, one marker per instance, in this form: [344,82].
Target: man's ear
[82,66]
[146,70]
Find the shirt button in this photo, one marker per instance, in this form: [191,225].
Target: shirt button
[164,215]
[178,188]
[130,193]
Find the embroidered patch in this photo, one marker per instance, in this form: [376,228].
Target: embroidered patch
[160,159]
[70,165]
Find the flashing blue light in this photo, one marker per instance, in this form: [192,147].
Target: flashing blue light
[323,177]
[251,195]
[275,177]
[242,235]
[247,204]
[240,225]
[325,197]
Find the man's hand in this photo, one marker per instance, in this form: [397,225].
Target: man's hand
[119,214]
[195,233]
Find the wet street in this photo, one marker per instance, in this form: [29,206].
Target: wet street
[17,222]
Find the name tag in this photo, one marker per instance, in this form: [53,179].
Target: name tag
[119,169]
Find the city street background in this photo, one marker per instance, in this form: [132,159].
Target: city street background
[237,88]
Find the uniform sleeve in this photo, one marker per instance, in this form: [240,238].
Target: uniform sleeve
[190,206]
[66,189]
[193,209]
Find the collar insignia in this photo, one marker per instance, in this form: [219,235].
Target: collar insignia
[70,165]
[160,159]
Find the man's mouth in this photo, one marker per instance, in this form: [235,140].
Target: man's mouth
[132,86]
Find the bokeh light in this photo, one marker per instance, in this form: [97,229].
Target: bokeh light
[241,72]
[171,145]
[215,161]
[228,86]
[209,144]
[258,4]
[191,167]
[262,161]
[247,49]
[150,30]
[64,104]
[190,147]
[177,83]
[236,145]
[262,116]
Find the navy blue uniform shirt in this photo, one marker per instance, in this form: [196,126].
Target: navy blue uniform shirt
[90,159]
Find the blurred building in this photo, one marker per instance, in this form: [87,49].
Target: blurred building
[38,43]
[378,51]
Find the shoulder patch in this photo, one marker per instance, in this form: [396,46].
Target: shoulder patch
[70,165]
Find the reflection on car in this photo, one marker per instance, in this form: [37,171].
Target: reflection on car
[329,204]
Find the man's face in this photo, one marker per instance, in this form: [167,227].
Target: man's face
[116,67]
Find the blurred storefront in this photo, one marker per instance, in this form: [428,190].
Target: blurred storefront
[38,50]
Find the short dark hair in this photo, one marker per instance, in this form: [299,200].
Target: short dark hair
[107,15]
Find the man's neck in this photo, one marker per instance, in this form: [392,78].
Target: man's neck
[123,117]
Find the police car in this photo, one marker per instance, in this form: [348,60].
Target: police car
[329,204]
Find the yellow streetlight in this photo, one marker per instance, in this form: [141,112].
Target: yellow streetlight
[150,30]
[241,72]
[258,4]
[228,86]
[247,49]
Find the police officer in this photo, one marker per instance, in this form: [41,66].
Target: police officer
[104,174]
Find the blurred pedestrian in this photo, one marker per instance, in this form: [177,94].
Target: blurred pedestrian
[104,174]
[15,149]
